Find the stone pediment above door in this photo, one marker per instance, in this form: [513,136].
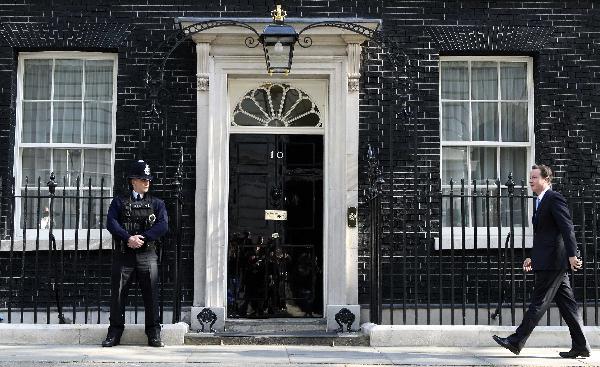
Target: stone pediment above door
[323,38]
[325,43]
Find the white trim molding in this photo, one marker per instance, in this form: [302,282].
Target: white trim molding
[326,66]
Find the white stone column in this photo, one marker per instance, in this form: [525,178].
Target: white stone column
[203,297]
[347,297]
[203,111]
[352,117]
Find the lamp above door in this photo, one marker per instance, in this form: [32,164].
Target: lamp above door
[278,43]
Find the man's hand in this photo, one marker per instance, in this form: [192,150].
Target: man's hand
[136,241]
[527,265]
[575,263]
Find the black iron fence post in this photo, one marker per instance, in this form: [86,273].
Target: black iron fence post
[510,184]
[57,275]
[374,196]
[11,212]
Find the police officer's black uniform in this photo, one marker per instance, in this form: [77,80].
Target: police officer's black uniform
[130,215]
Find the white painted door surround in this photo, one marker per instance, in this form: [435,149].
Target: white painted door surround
[332,65]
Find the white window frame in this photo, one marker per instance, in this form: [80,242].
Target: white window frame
[18,147]
[469,240]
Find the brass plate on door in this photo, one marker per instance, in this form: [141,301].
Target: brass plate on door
[275,214]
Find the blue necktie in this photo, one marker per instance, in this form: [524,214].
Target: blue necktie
[536,212]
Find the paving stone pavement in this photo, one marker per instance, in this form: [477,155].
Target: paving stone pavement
[277,356]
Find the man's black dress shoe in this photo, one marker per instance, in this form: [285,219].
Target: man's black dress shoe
[111,341]
[506,344]
[155,342]
[575,353]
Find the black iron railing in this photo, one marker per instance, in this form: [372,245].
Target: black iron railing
[55,254]
[454,256]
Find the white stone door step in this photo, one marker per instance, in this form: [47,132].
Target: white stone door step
[278,338]
[275,325]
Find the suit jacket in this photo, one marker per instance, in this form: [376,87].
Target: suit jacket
[553,234]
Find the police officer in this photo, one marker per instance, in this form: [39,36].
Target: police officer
[136,221]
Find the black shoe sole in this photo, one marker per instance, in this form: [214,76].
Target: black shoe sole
[512,350]
[583,355]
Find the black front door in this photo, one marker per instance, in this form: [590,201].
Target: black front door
[275,244]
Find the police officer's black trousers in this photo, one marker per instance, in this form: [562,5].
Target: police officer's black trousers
[144,263]
[551,285]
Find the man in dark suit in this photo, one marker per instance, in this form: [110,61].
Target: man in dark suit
[554,252]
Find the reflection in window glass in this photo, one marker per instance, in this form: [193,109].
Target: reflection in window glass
[514,121]
[454,164]
[514,160]
[483,164]
[37,79]
[68,79]
[455,80]
[97,165]
[36,122]
[97,123]
[484,80]
[67,165]
[513,80]
[67,122]
[35,163]
[455,119]
[485,121]
[99,80]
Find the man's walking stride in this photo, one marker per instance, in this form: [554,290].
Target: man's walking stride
[554,252]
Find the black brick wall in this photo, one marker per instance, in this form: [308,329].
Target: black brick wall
[563,37]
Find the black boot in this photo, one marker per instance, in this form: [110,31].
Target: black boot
[111,341]
[154,341]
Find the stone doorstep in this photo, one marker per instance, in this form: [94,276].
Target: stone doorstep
[278,325]
[88,334]
[469,335]
[321,338]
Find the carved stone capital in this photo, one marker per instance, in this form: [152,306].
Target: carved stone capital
[353,66]
[203,51]
[202,82]
[353,83]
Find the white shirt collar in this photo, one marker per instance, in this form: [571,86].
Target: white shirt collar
[135,194]
[541,196]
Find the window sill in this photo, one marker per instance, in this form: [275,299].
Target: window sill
[470,240]
[69,240]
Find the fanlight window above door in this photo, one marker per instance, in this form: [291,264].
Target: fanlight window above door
[276,105]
